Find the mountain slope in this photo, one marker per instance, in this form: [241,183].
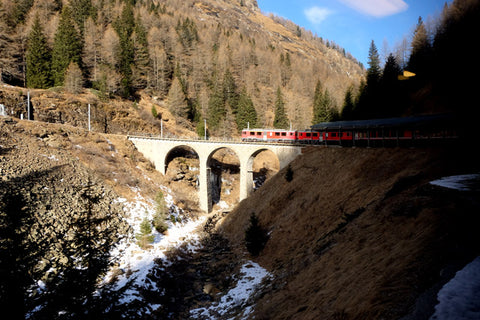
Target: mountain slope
[184,53]
[360,233]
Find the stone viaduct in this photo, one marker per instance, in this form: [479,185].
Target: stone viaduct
[157,150]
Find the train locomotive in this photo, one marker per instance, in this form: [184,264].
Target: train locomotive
[376,132]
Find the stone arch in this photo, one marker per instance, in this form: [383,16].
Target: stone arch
[251,170]
[177,151]
[221,172]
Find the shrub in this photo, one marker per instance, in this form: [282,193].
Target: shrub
[145,237]
[161,213]
[255,236]
[289,174]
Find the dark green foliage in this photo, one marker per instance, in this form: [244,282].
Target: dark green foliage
[161,213]
[81,10]
[255,236]
[216,110]
[124,26]
[246,113]
[141,57]
[280,121]
[368,104]
[348,105]
[38,58]
[324,109]
[67,47]
[20,11]
[289,174]
[187,33]
[145,236]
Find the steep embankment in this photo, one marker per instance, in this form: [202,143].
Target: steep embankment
[360,233]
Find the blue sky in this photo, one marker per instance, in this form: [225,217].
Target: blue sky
[353,24]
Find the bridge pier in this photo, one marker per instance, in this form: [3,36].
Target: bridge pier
[157,150]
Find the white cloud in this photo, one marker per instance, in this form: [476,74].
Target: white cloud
[377,8]
[317,15]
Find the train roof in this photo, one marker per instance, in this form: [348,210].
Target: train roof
[404,122]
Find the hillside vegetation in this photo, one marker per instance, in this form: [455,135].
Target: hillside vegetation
[213,60]
[360,233]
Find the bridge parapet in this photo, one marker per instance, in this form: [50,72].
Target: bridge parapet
[157,149]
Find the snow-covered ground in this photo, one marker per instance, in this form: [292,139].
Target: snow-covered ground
[251,275]
[462,182]
[136,263]
[459,299]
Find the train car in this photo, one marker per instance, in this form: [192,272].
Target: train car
[269,135]
[309,137]
[254,135]
[405,131]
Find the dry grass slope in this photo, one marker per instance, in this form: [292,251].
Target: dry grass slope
[360,233]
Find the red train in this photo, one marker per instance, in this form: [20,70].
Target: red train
[377,132]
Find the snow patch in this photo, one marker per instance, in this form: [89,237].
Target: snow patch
[462,182]
[134,262]
[251,275]
[459,298]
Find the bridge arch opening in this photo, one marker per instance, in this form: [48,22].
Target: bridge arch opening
[224,177]
[262,164]
[182,170]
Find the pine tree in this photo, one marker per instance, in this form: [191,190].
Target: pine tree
[280,121]
[246,113]
[145,236]
[216,112]
[67,47]
[142,69]
[124,26]
[369,100]
[420,56]
[319,112]
[348,105]
[38,58]
[392,95]
[255,236]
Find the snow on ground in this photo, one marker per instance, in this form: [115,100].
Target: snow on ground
[135,262]
[251,275]
[463,182]
[459,299]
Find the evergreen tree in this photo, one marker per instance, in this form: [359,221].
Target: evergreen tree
[124,26]
[38,58]
[142,67]
[368,104]
[255,236]
[374,70]
[319,112]
[348,105]
[67,47]
[280,121]
[230,94]
[246,113]
[393,97]
[216,110]
[81,10]
[145,236]
[420,56]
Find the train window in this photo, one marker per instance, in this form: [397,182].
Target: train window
[259,133]
[315,135]
[277,134]
[334,134]
[252,133]
[284,134]
[308,134]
